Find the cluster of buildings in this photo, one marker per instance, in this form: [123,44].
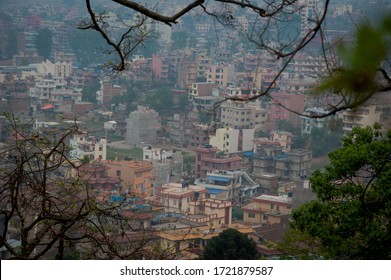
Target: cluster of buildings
[233,167]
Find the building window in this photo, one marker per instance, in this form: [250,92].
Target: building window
[138,174]
[265,217]
[118,173]
[175,201]
[271,206]
[251,215]
[100,148]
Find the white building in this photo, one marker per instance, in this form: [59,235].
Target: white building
[87,147]
[167,165]
[230,140]
[308,121]
[57,70]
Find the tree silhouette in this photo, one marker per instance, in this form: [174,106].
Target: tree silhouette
[350,217]
[230,244]
[43,42]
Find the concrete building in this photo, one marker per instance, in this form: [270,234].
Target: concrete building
[87,147]
[184,129]
[142,126]
[198,135]
[295,166]
[220,74]
[240,114]
[364,116]
[376,110]
[229,140]
[207,160]
[282,137]
[136,177]
[295,103]
[268,182]
[267,209]
[98,180]
[58,69]
[235,186]
[175,198]
[269,158]
[308,122]
[167,165]
[107,91]
[201,89]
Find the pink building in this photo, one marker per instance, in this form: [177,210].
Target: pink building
[159,68]
[208,160]
[279,106]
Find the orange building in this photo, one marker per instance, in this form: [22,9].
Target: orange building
[136,177]
[267,209]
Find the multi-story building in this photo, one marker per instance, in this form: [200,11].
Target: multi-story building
[201,89]
[235,186]
[240,114]
[269,158]
[142,126]
[376,110]
[364,116]
[176,198]
[136,177]
[181,130]
[167,165]
[308,120]
[88,147]
[58,70]
[307,66]
[207,160]
[198,135]
[203,62]
[230,140]
[267,209]
[43,89]
[295,166]
[282,137]
[191,202]
[279,106]
[98,180]
[107,91]
[309,13]
[219,74]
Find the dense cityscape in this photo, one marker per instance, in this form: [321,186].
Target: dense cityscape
[207,129]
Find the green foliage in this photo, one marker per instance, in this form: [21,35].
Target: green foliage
[150,45]
[285,125]
[87,46]
[89,91]
[205,116]
[321,141]
[161,99]
[179,39]
[351,215]
[43,42]
[230,245]
[357,78]
[237,213]
[12,44]
[298,245]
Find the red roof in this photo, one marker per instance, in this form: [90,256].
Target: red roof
[47,107]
